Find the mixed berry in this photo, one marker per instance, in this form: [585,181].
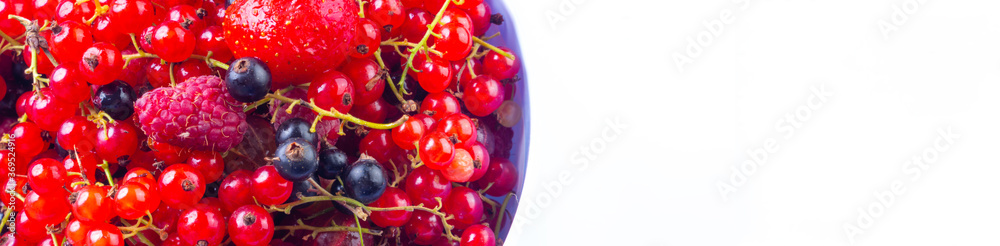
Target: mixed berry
[255,122]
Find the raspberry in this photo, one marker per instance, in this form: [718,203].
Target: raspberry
[198,113]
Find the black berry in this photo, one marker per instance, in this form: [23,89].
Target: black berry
[295,128]
[332,162]
[365,180]
[248,79]
[297,160]
[117,99]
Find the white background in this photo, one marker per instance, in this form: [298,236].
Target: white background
[656,183]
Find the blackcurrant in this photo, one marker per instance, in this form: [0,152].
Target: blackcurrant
[364,180]
[248,79]
[305,188]
[117,99]
[296,160]
[332,162]
[295,128]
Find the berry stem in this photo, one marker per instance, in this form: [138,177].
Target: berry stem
[491,47]
[392,85]
[338,115]
[422,44]
[107,172]
[6,215]
[317,230]
[503,208]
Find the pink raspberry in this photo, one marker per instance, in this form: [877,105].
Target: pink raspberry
[198,114]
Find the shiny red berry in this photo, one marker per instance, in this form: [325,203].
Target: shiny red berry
[182,186]
[234,191]
[499,66]
[332,90]
[440,105]
[268,187]
[117,141]
[172,42]
[47,176]
[101,63]
[478,235]
[135,199]
[436,150]
[406,135]
[92,203]
[366,76]
[392,197]
[424,185]
[202,225]
[251,225]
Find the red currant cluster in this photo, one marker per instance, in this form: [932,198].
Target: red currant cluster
[141,122]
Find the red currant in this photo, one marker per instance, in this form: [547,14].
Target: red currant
[268,187]
[367,40]
[392,197]
[234,191]
[461,168]
[20,187]
[116,141]
[387,14]
[48,208]
[376,111]
[480,160]
[104,234]
[169,153]
[366,76]
[28,138]
[189,69]
[189,17]
[481,15]
[172,42]
[478,235]
[84,162]
[440,105]
[424,227]
[406,135]
[91,203]
[423,185]
[29,230]
[332,90]
[23,8]
[251,225]
[106,30]
[141,176]
[67,86]
[135,199]
[459,128]
[453,15]
[415,25]
[435,74]
[502,175]
[499,66]
[436,150]
[76,231]
[483,95]
[48,111]
[201,225]
[101,63]
[182,186]
[47,176]
[212,40]
[69,40]
[69,10]
[133,16]
[465,204]
[455,42]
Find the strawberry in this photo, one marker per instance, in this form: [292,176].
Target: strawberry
[297,39]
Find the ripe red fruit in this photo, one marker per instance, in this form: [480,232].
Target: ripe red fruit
[29,230]
[104,234]
[212,40]
[481,15]
[376,111]
[182,186]
[461,168]
[268,187]
[287,35]
[459,128]
[209,163]
[423,185]
[234,191]
[465,204]
[190,68]
[28,138]
[132,16]
[48,111]
[101,63]
[499,66]
[69,40]
[251,225]
[332,90]
[483,95]
[415,25]
[67,86]
[435,74]
[118,140]
[141,176]
[69,10]
[366,41]
[366,76]
[12,27]
[478,235]
[76,231]
[172,42]
[134,199]
[194,19]
[502,175]
[440,105]
[424,228]
[406,135]
[82,162]
[387,14]
[92,204]
[48,208]
[198,114]
[436,150]
[201,225]
[455,42]
[392,197]
[480,160]
[453,15]
[47,176]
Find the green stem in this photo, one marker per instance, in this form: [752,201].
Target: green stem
[491,47]
[335,114]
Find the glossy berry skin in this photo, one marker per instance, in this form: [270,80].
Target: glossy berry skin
[458,16]
[48,111]
[465,205]
[259,29]
[50,208]
[440,105]
[69,41]
[387,14]
[297,160]
[191,68]
[46,176]
[365,74]
[503,176]
[82,162]
[461,168]
[378,144]
[455,42]
[67,86]
[209,163]
[134,199]
[365,180]
[92,204]
[436,150]
[28,138]
[423,185]
[211,40]
[251,225]
[478,235]
[106,30]
[415,25]
[483,95]
[118,140]
[480,160]
[104,234]
[481,15]
[332,90]
[499,66]
[182,186]
[172,42]
[332,162]
[234,191]
[132,16]
[268,187]
[376,111]
[117,99]
[366,41]
[201,223]
[393,197]
[435,74]
[23,8]
[189,16]
[248,79]
[424,228]
[406,135]
[142,177]
[101,63]
[295,128]
[459,128]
